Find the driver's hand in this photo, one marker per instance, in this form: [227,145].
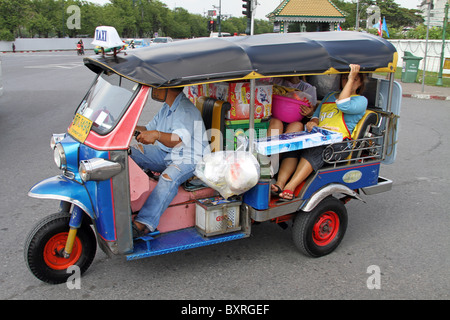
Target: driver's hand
[147,137]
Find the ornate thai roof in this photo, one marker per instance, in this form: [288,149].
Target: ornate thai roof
[307,11]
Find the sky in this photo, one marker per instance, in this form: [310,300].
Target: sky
[234,7]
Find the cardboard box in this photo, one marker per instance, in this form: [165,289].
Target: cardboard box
[219,91]
[196,91]
[296,140]
[239,98]
[233,127]
[238,95]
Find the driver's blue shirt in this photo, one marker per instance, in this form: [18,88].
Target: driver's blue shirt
[184,120]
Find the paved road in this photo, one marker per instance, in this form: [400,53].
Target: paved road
[403,232]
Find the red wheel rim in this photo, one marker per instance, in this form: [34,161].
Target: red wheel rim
[326,228]
[54,248]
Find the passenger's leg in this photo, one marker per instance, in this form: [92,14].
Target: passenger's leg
[276,127]
[294,127]
[303,170]
[287,168]
[310,160]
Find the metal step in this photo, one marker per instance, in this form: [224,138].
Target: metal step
[157,244]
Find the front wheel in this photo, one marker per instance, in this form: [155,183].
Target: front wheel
[319,232]
[46,242]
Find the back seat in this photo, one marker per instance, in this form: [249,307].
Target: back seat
[181,211]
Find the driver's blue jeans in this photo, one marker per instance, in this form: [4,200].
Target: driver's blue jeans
[172,176]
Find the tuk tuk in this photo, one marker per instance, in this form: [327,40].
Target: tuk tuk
[100,187]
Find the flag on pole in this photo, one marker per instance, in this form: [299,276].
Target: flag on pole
[378,26]
[384,27]
[380,31]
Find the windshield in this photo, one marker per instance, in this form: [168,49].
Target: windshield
[107,101]
[160,40]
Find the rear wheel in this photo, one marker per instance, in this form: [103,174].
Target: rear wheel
[45,244]
[319,232]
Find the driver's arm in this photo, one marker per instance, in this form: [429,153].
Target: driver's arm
[149,137]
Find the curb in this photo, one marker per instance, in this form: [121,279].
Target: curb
[31,51]
[425,96]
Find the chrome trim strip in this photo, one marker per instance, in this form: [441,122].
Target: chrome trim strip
[62,198]
[326,191]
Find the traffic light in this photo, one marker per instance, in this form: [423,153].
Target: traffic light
[211,25]
[247,6]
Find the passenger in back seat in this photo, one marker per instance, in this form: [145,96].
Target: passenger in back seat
[338,112]
[276,126]
[173,142]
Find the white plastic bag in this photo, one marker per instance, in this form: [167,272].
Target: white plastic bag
[229,172]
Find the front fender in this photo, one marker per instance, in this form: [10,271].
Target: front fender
[61,188]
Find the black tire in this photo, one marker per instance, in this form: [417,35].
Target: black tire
[44,262]
[319,232]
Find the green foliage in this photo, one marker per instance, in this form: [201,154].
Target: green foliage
[396,16]
[5,35]
[144,18]
[420,32]
[398,19]
[131,18]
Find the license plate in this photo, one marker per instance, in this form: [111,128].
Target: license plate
[80,127]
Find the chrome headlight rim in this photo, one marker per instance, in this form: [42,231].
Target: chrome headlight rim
[59,156]
[55,139]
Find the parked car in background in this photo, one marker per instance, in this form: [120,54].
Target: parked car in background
[159,40]
[137,43]
[222,34]
[141,43]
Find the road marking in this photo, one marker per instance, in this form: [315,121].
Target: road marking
[56,66]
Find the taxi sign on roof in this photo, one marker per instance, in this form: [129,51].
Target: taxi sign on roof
[107,37]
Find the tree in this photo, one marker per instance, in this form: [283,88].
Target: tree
[12,14]
[396,16]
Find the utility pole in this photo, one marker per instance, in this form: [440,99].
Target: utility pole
[426,46]
[357,16]
[444,27]
[219,18]
[249,7]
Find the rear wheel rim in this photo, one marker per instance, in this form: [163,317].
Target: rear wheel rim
[325,228]
[54,248]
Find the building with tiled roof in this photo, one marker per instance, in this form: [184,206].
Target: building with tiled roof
[312,15]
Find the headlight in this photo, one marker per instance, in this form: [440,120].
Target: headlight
[59,156]
[98,169]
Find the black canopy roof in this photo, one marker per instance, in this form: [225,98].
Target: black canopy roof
[200,60]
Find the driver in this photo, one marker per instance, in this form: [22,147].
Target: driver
[173,142]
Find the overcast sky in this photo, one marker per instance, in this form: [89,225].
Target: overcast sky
[234,7]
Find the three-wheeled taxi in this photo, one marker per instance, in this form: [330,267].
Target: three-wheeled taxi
[100,187]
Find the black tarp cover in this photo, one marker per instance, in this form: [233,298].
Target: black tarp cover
[202,60]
